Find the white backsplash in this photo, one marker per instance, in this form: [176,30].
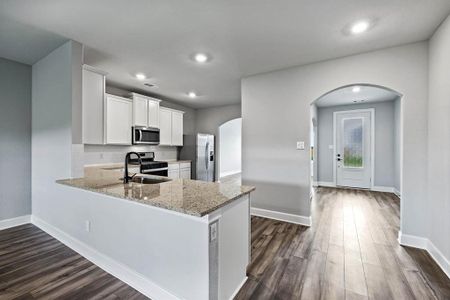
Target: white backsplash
[108,154]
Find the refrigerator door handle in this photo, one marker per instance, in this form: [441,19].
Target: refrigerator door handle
[206,156]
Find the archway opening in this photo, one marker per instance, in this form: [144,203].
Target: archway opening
[230,150]
[356,139]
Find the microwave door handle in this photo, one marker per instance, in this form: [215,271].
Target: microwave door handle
[206,156]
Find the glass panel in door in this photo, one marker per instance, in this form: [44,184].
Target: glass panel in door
[353,142]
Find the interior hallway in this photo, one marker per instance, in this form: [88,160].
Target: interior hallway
[350,252]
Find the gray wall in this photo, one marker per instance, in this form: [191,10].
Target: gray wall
[384,141]
[398,146]
[275,112]
[15,139]
[438,212]
[53,97]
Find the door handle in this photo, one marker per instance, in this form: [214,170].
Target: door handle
[206,155]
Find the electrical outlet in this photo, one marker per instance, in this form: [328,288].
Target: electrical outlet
[301,145]
[87,225]
[213,231]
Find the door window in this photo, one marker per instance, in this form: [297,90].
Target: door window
[353,142]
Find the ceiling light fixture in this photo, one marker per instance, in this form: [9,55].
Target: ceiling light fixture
[359,27]
[201,58]
[356,89]
[192,95]
[141,76]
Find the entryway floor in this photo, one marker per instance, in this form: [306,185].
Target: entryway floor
[350,252]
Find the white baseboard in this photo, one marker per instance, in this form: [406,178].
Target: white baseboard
[229,173]
[326,184]
[426,244]
[384,189]
[13,222]
[236,291]
[271,214]
[122,272]
[397,192]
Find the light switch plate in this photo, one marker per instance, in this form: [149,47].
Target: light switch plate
[300,145]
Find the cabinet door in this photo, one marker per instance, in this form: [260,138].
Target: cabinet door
[119,112]
[174,174]
[93,99]
[140,111]
[177,128]
[165,127]
[153,113]
[185,173]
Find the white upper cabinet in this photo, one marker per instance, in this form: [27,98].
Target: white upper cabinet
[145,111]
[177,128]
[153,113]
[171,127]
[165,126]
[93,93]
[140,107]
[119,115]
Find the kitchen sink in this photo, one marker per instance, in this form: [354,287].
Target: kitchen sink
[149,180]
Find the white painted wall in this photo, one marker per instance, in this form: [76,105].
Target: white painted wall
[53,98]
[275,114]
[15,139]
[398,146]
[385,161]
[230,145]
[438,204]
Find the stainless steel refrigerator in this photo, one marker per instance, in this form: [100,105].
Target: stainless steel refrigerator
[205,159]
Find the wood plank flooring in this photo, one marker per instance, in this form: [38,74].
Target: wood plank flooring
[350,252]
[33,265]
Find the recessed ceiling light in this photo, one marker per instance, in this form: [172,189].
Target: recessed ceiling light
[192,95]
[356,89]
[201,58]
[140,76]
[359,27]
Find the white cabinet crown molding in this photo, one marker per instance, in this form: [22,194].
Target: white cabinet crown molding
[95,70]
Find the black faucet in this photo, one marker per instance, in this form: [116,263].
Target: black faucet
[127,178]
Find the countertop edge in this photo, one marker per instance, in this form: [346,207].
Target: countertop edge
[186,212]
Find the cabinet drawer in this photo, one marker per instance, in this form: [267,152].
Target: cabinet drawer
[185,165]
[174,167]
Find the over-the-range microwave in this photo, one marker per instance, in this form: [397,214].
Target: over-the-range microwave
[145,135]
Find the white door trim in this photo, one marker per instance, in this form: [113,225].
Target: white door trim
[372,141]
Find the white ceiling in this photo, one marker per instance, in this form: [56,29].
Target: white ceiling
[157,37]
[346,96]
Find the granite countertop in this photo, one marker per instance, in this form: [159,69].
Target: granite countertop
[192,197]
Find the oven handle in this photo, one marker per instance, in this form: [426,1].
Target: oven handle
[155,170]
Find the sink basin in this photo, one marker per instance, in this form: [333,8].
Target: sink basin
[149,180]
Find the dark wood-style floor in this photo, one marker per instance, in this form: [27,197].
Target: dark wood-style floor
[33,265]
[350,252]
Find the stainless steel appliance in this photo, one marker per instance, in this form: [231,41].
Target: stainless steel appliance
[148,165]
[145,135]
[205,159]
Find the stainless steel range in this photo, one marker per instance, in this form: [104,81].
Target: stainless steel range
[149,165]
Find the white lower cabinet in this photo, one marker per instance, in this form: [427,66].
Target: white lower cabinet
[118,120]
[179,170]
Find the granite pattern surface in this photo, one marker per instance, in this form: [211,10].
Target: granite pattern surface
[192,197]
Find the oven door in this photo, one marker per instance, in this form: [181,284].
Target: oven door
[145,135]
[158,172]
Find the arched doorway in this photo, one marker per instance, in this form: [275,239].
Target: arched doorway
[230,149]
[356,138]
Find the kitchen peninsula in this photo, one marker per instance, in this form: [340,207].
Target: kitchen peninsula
[183,239]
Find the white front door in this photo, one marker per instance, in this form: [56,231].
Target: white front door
[353,161]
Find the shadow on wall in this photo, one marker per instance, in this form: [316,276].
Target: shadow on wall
[291,193]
